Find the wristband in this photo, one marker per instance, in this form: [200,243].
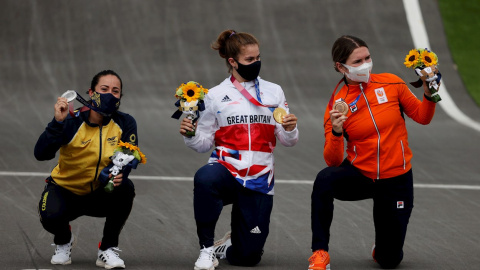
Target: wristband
[427,97]
[336,134]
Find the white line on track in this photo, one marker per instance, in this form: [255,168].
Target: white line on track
[420,40]
[190,179]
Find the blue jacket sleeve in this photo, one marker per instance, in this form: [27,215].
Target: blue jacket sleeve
[130,135]
[129,128]
[50,141]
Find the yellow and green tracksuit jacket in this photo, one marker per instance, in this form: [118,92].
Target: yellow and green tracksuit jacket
[85,148]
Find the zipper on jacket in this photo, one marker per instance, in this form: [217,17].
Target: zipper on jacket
[403,154]
[355,151]
[249,144]
[376,128]
[99,159]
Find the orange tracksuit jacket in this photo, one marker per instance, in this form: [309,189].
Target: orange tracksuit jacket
[377,139]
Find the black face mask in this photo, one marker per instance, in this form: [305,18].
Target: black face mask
[249,72]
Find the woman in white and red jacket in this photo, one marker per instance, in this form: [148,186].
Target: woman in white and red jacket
[238,122]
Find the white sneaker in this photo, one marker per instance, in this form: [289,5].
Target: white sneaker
[221,246]
[63,253]
[109,258]
[206,260]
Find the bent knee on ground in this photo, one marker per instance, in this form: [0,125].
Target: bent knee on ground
[247,258]
[389,262]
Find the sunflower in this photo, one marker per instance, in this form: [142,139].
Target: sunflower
[191,91]
[129,146]
[428,58]
[411,60]
[143,158]
[131,149]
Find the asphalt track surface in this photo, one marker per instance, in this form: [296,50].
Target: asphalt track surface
[47,47]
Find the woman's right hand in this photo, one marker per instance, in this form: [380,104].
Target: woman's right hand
[61,109]
[186,125]
[337,118]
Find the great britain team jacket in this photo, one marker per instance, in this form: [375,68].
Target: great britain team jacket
[244,135]
[85,148]
[375,131]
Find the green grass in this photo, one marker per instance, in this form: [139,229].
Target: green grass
[462,25]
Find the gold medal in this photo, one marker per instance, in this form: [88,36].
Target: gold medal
[278,114]
[341,106]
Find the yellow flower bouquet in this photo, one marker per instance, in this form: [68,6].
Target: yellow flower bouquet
[425,63]
[126,154]
[190,97]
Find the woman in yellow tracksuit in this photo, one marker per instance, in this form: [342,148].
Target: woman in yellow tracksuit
[86,140]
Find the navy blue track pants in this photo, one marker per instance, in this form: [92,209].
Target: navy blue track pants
[214,187]
[393,204]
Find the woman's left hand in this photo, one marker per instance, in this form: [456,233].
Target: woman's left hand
[289,122]
[117,180]
[426,88]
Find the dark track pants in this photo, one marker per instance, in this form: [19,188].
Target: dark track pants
[393,204]
[214,187]
[58,206]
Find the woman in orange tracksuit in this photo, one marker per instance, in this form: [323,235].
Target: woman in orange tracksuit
[377,165]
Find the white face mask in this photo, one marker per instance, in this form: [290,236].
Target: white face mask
[360,73]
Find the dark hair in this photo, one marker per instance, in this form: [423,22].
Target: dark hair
[343,47]
[102,73]
[230,42]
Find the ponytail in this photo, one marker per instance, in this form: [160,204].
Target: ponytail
[230,42]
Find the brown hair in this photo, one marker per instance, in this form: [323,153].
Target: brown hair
[343,47]
[230,42]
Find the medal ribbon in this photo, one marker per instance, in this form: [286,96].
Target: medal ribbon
[71,110]
[86,105]
[247,95]
[354,102]
[330,103]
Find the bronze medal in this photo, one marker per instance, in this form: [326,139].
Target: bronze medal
[341,106]
[278,114]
